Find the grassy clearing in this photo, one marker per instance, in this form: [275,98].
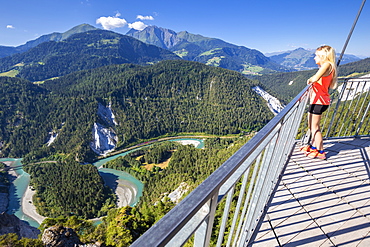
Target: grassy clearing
[181,53]
[41,82]
[210,52]
[215,61]
[10,73]
[251,70]
[150,167]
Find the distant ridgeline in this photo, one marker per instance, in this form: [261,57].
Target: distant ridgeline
[287,85]
[147,101]
[10,50]
[61,54]
[302,59]
[88,50]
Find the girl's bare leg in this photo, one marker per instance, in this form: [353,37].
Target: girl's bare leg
[316,131]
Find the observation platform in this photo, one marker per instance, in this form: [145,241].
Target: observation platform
[313,203]
[322,202]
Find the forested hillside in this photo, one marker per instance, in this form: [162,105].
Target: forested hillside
[148,101]
[22,104]
[167,98]
[81,51]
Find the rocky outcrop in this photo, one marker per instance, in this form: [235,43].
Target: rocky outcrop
[176,195]
[162,37]
[272,102]
[106,114]
[12,224]
[105,139]
[60,236]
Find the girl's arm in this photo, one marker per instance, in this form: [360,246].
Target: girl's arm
[320,73]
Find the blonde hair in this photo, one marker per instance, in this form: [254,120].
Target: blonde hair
[327,54]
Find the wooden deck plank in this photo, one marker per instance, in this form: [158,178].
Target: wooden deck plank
[322,202]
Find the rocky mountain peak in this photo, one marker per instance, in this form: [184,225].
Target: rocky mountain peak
[162,37]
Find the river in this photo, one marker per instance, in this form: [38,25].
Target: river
[113,178]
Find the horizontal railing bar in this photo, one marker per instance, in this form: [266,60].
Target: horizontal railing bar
[189,228]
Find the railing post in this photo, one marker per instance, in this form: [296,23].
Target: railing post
[336,109]
[246,204]
[225,216]
[347,110]
[363,119]
[255,208]
[202,236]
[239,204]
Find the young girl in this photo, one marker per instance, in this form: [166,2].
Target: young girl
[325,78]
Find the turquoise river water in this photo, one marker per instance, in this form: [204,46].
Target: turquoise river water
[20,184]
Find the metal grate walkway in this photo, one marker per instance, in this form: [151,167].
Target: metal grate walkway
[322,202]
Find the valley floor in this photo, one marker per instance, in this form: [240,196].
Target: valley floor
[125,192]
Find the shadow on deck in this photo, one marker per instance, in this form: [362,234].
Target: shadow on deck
[322,202]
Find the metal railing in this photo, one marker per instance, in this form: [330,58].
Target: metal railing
[349,114]
[241,188]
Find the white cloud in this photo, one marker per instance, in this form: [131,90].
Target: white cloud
[10,26]
[137,25]
[148,17]
[110,22]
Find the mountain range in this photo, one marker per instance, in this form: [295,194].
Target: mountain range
[83,50]
[192,47]
[9,50]
[302,59]
[210,51]
[30,57]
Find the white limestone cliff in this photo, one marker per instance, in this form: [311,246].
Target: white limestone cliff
[106,113]
[272,102]
[105,139]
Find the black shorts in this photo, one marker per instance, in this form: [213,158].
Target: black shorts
[317,109]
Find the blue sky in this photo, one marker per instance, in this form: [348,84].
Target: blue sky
[267,26]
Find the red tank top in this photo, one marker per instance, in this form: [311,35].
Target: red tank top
[320,91]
